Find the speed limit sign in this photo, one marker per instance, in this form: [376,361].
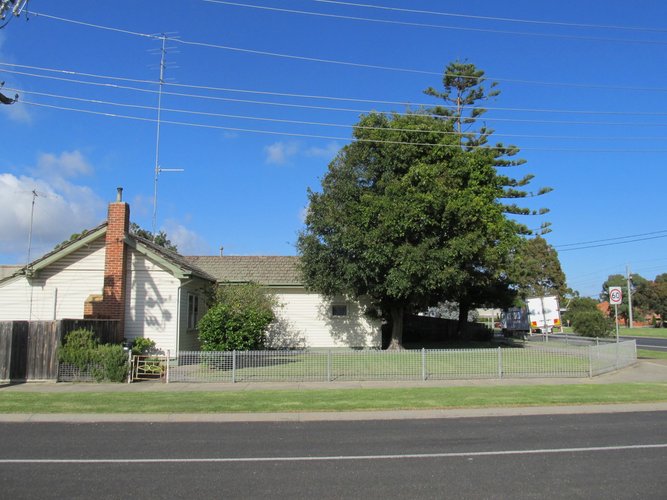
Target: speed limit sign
[615,295]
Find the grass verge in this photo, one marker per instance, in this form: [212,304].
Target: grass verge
[330,399]
[647,354]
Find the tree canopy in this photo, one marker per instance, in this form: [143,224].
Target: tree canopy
[536,270]
[160,238]
[411,214]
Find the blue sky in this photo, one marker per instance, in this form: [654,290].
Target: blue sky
[587,106]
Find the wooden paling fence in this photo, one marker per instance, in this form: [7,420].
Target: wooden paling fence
[28,349]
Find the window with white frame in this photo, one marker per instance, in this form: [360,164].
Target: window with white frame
[193,311]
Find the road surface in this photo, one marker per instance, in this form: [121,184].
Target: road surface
[556,456]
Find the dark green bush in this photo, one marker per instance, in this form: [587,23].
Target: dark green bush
[143,345]
[226,328]
[105,362]
[237,320]
[591,323]
[78,349]
[112,364]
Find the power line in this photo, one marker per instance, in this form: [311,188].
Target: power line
[611,239]
[353,64]
[325,108]
[346,139]
[324,97]
[327,124]
[492,18]
[613,244]
[436,26]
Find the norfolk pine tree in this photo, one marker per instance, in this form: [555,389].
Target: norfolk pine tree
[487,282]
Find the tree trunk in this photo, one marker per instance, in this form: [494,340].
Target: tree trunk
[396,328]
[464,309]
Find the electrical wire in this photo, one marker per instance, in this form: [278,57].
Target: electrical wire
[327,108]
[326,124]
[325,97]
[612,244]
[347,139]
[437,26]
[492,18]
[353,64]
[662,231]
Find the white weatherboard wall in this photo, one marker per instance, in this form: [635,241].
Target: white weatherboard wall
[151,302]
[189,338]
[58,291]
[306,317]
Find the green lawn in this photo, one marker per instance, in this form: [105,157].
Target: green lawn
[383,365]
[643,332]
[646,354]
[330,399]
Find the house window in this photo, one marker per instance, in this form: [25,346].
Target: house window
[338,310]
[193,311]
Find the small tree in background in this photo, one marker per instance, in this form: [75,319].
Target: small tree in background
[237,319]
[591,323]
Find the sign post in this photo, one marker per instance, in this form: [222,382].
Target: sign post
[616,298]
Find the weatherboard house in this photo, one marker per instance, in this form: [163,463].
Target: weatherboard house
[109,273]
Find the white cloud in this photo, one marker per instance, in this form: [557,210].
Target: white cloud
[61,206]
[328,152]
[279,153]
[303,213]
[67,164]
[187,241]
[61,209]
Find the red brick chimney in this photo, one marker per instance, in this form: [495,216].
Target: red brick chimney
[113,294]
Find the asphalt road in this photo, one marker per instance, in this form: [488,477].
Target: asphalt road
[652,344]
[565,456]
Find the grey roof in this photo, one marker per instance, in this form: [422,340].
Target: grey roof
[6,271]
[177,259]
[268,271]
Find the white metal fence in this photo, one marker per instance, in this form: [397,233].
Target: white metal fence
[573,357]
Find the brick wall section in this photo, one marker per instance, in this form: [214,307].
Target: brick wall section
[113,301]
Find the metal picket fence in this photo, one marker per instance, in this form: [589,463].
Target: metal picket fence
[555,358]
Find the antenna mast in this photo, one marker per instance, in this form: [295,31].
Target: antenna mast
[32,216]
[157,140]
[159,169]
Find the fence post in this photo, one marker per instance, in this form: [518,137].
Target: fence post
[590,361]
[166,377]
[500,363]
[131,370]
[329,365]
[234,367]
[423,363]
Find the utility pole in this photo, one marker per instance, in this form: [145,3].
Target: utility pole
[629,277]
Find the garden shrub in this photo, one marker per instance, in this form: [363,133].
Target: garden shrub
[238,320]
[105,362]
[112,364]
[78,348]
[591,323]
[143,345]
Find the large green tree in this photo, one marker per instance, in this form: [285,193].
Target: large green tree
[412,213]
[464,94]
[536,270]
[405,218]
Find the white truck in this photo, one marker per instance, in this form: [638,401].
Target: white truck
[541,315]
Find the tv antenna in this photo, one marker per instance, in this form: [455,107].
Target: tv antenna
[158,168]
